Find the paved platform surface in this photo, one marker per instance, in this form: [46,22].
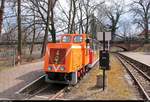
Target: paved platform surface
[13,79]
[138,56]
[119,85]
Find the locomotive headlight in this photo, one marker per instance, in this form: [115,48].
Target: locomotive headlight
[62,68]
[50,68]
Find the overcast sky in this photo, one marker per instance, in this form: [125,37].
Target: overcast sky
[125,17]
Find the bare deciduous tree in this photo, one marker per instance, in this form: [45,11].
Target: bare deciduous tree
[50,20]
[46,30]
[114,12]
[87,12]
[89,8]
[1,15]
[72,15]
[53,31]
[141,10]
[19,32]
[34,33]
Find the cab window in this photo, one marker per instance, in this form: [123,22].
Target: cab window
[78,39]
[66,39]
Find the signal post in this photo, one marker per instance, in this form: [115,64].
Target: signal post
[104,54]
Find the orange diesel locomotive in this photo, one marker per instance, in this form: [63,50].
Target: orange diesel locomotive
[67,61]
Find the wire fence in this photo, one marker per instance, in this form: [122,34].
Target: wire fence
[8,55]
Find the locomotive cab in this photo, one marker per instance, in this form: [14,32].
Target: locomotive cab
[66,61]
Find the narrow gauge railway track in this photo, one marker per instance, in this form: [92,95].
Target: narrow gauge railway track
[50,92]
[53,91]
[143,67]
[139,77]
[39,90]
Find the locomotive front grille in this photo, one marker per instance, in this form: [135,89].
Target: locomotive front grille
[57,56]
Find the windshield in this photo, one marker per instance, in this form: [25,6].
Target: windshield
[66,39]
[78,39]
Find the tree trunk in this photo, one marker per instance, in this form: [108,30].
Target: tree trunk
[19,32]
[69,21]
[46,31]
[81,22]
[34,31]
[114,24]
[87,17]
[1,15]
[113,33]
[146,30]
[87,24]
[53,32]
[72,29]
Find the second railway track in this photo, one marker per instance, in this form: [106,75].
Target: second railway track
[139,77]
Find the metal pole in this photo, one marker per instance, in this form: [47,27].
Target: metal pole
[103,68]
[99,57]
[104,41]
[103,79]
[14,56]
[108,45]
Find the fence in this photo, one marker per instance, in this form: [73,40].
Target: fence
[7,56]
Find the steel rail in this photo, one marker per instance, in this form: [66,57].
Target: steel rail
[121,59]
[57,94]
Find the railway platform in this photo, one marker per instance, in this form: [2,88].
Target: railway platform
[119,85]
[15,78]
[138,56]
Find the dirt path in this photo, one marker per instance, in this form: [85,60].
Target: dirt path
[119,85]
